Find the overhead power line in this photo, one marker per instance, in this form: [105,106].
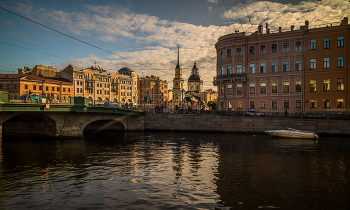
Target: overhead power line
[94,46]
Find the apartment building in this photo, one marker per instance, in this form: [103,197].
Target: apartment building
[261,71]
[56,89]
[327,69]
[153,92]
[101,86]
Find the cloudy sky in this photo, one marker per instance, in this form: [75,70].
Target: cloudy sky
[140,34]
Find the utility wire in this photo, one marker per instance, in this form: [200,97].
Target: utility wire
[248,15]
[227,13]
[80,40]
[238,15]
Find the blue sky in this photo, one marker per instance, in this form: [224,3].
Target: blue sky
[145,32]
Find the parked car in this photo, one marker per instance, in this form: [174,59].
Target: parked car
[251,113]
[109,104]
[35,98]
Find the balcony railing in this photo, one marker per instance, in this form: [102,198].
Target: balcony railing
[230,76]
[89,79]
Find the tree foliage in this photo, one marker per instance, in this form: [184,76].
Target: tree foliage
[213,105]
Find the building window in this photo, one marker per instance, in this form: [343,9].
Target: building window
[262,68]
[285,47]
[229,70]
[8,86]
[222,90]
[340,103]
[313,103]
[53,89]
[274,48]
[239,69]
[58,89]
[297,65]
[340,84]
[326,63]
[228,53]
[64,89]
[252,105]
[239,105]
[229,89]
[252,68]
[313,63]
[273,66]
[252,88]
[15,86]
[68,90]
[312,85]
[78,90]
[285,87]
[326,103]
[239,51]
[274,104]
[340,61]
[312,44]
[229,105]
[285,65]
[274,87]
[34,87]
[40,87]
[298,46]
[297,103]
[222,54]
[222,70]
[263,49]
[326,85]
[0,86]
[298,86]
[286,104]
[340,41]
[263,87]
[47,88]
[251,50]
[326,42]
[239,89]
[262,104]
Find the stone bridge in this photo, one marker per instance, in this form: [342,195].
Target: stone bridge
[65,124]
[65,120]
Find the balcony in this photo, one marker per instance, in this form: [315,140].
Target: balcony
[223,77]
[89,86]
[90,79]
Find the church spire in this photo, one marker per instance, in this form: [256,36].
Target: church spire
[178,57]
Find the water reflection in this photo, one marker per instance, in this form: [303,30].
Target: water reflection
[175,170]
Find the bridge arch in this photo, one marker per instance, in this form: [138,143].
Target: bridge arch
[106,125]
[29,124]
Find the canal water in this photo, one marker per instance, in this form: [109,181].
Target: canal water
[168,170]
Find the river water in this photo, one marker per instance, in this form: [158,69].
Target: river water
[168,170]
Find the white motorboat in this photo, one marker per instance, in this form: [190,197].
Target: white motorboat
[292,133]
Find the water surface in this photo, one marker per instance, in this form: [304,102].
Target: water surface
[169,170]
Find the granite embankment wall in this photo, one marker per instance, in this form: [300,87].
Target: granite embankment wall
[241,124]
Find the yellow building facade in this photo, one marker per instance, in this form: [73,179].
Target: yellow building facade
[327,69]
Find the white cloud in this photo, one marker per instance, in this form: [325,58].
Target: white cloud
[212,1]
[196,42]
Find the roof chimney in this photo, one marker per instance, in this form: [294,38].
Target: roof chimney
[279,29]
[292,28]
[307,24]
[267,28]
[260,29]
[345,21]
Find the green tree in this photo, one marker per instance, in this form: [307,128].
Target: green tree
[213,105]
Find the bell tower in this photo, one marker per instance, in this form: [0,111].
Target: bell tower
[178,83]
